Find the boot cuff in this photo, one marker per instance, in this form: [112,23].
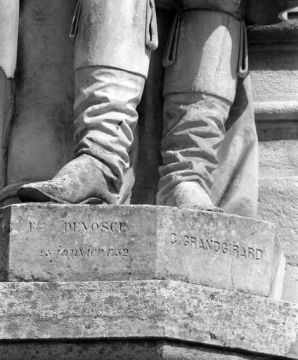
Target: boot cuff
[236,8]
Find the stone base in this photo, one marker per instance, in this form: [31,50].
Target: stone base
[98,243]
[142,320]
[117,350]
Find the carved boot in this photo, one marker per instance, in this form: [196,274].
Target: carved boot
[200,87]
[111,63]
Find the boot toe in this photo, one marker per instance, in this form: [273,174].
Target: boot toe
[35,193]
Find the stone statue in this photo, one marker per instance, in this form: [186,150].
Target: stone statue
[111,67]
[206,73]
[9,21]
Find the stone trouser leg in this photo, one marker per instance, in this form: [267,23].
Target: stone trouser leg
[200,88]
[113,45]
[235,186]
[9,22]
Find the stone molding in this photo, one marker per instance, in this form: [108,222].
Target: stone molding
[166,310]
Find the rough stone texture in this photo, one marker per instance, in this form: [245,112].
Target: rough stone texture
[278,204]
[274,73]
[290,290]
[86,243]
[44,94]
[117,350]
[148,309]
[278,159]
[274,68]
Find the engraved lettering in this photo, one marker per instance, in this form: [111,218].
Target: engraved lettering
[173,238]
[45,253]
[72,252]
[67,225]
[213,246]
[76,227]
[37,226]
[104,227]
[216,246]
[81,226]
[193,242]
[115,227]
[243,252]
[186,240]
[251,253]
[259,254]
[85,226]
[86,252]
[110,251]
[201,245]
[236,250]
[123,227]
[209,243]
[225,248]
[125,252]
[94,227]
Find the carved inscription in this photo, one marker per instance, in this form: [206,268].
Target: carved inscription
[95,227]
[83,226]
[38,226]
[213,246]
[85,252]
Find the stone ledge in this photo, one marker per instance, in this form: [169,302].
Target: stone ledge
[148,309]
[152,349]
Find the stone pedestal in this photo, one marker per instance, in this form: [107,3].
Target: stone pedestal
[97,243]
[125,282]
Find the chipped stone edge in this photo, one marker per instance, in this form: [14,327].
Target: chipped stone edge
[168,310]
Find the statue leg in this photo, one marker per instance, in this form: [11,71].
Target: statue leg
[9,23]
[111,63]
[235,186]
[200,88]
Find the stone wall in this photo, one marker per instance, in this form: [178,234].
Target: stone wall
[274,71]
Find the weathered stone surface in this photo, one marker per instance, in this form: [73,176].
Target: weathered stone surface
[44,95]
[86,243]
[290,289]
[117,350]
[278,198]
[148,309]
[278,159]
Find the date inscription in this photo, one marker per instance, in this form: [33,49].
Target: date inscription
[85,252]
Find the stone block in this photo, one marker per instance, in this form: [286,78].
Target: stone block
[117,350]
[290,289]
[278,198]
[278,159]
[98,243]
[142,310]
[273,68]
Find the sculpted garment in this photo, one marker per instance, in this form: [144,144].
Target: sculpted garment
[235,179]
[109,84]
[204,60]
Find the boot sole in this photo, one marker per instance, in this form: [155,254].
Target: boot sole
[35,195]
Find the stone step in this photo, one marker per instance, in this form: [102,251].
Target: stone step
[225,321]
